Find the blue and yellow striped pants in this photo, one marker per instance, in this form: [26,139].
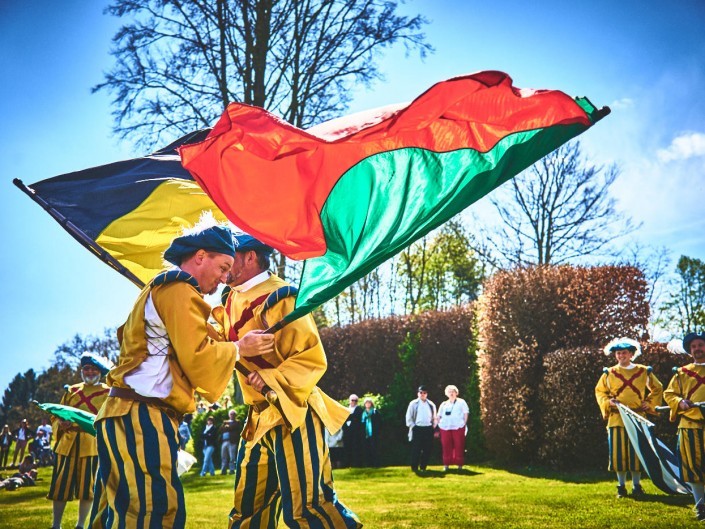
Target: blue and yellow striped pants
[623,458]
[73,477]
[691,446]
[288,473]
[137,485]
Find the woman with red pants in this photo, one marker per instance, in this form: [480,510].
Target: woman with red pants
[452,418]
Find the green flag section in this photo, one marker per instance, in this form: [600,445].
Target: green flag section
[350,194]
[83,419]
[126,213]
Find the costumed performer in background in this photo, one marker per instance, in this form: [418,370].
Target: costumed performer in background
[635,386]
[73,476]
[686,388]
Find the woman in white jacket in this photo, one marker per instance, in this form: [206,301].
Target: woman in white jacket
[452,420]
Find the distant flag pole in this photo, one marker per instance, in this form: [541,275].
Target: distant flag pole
[349,194]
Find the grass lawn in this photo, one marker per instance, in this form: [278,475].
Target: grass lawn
[395,498]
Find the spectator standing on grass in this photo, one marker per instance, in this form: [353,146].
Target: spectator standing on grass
[686,389]
[229,440]
[352,433]
[185,431]
[452,419]
[634,386]
[421,419]
[370,432]
[209,438]
[6,440]
[22,436]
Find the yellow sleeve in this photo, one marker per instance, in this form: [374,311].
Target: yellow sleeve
[602,394]
[303,362]
[206,362]
[655,392]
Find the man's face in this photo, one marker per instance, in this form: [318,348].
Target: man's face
[423,395]
[244,267]
[353,401]
[697,350]
[213,271]
[624,356]
[90,374]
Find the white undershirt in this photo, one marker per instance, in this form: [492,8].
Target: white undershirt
[152,378]
[252,282]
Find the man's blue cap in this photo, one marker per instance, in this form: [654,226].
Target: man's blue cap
[102,364]
[689,339]
[218,239]
[245,242]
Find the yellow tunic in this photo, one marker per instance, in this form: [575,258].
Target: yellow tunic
[293,370]
[685,385]
[633,394]
[199,361]
[87,398]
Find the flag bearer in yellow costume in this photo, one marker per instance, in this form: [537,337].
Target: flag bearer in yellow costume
[635,386]
[168,352]
[283,464]
[73,476]
[687,387]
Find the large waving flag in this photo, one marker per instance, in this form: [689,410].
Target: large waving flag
[126,213]
[350,194]
[658,461]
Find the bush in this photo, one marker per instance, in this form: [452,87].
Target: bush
[527,313]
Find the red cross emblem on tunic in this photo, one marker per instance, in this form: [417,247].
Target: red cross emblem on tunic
[88,399]
[700,381]
[628,383]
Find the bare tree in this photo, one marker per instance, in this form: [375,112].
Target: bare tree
[684,310]
[179,63]
[558,210]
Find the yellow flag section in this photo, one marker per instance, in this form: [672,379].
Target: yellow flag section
[126,213]
[138,239]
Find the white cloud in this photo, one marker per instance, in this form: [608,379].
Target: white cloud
[688,145]
[622,104]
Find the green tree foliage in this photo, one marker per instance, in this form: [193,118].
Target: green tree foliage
[25,387]
[179,63]
[440,271]
[684,310]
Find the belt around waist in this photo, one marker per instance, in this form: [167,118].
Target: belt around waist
[131,394]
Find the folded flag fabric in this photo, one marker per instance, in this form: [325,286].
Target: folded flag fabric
[127,212]
[658,461]
[349,194]
[83,419]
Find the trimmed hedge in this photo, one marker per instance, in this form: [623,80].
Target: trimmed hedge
[527,313]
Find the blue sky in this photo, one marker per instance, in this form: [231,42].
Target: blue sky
[644,59]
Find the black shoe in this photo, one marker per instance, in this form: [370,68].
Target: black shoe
[414,469]
[700,511]
[621,491]
[638,492]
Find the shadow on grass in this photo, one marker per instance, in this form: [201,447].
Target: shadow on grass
[682,500]
[577,476]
